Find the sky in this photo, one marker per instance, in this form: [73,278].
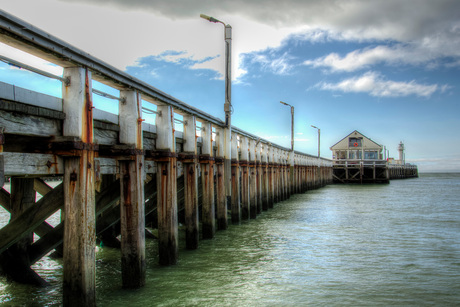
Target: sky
[389,69]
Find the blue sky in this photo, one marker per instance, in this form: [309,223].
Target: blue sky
[389,69]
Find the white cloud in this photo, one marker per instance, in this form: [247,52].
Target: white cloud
[120,32]
[381,19]
[411,54]
[373,84]
[270,62]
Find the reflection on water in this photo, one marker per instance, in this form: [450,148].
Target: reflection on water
[381,245]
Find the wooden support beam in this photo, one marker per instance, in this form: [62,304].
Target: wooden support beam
[259,175]
[54,236]
[244,163]
[15,261]
[42,229]
[22,198]
[221,205]
[31,218]
[79,276]
[45,244]
[236,205]
[189,161]
[166,187]
[41,187]
[275,170]
[271,176]
[5,199]
[286,175]
[132,223]
[264,175]
[208,213]
[280,177]
[290,174]
[252,180]
[132,217]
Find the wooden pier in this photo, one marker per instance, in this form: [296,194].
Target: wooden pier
[118,170]
[360,171]
[371,171]
[402,171]
[358,159]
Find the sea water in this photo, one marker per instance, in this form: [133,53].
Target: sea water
[394,244]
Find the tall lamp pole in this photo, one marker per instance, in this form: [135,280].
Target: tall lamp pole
[227,106]
[292,124]
[291,158]
[319,139]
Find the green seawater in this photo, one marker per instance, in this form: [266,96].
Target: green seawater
[341,245]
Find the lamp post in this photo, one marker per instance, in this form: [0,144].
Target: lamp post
[291,158]
[292,124]
[319,139]
[227,106]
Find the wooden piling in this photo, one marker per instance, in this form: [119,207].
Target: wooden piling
[276,176]
[22,198]
[166,187]
[252,180]
[259,177]
[208,222]
[190,165]
[244,163]
[79,288]
[221,205]
[264,176]
[290,173]
[236,206]
[283,176]
[132,217]
[271,177]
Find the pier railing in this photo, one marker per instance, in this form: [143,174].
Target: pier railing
[106,158]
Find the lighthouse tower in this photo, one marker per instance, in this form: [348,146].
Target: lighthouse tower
[401,153]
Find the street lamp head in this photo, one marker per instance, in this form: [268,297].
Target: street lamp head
[209,18]
[286,104]
[314,127]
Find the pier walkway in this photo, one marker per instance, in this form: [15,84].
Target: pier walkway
[120,173]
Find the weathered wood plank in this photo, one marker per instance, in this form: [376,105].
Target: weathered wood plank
[22,123]
[22,164]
